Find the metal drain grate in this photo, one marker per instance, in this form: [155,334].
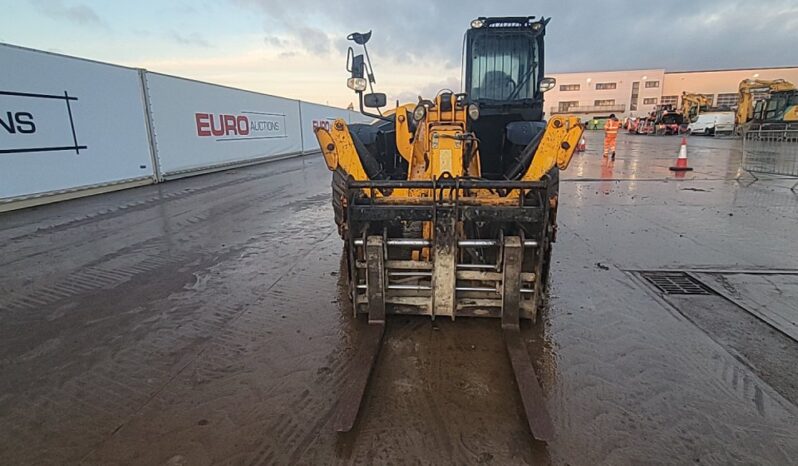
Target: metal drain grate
[676,283]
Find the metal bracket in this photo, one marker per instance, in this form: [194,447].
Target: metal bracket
[375,279]
[511,282]
[445,265]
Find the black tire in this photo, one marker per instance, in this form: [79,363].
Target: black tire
[544,273]
[553,190]
[338,193]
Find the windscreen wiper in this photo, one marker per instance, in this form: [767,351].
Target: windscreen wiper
[523,81]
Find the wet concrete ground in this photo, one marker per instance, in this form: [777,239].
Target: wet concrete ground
[202,321]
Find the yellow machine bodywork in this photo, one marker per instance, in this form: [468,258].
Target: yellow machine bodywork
[692,105]
[441,149]
[745,106]
[437,151]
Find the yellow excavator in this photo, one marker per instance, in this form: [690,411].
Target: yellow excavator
[693,105]
[448,206]
[780,106]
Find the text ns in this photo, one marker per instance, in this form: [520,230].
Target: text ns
[17,122]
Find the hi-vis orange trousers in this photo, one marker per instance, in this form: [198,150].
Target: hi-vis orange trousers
[609,143]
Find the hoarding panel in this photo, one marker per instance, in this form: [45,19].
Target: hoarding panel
[314,116]
[357,117]
[198,126]
[68,123]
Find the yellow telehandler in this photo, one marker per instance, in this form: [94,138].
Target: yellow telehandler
[448,206]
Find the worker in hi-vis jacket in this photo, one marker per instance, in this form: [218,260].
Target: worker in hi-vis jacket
[611,135]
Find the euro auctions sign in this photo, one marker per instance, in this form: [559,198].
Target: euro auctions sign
[240,126]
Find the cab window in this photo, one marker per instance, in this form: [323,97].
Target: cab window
[504,67]
[758,108]
[775,108]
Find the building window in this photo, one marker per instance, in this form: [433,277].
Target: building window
[564,106]
[569,87]
[669,100]
[635,95]
[650,84]
[728,100]
[604,102]
[605,86]
[650,101]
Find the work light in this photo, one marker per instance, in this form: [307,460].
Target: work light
[420,112]
[357,84]
[473,111]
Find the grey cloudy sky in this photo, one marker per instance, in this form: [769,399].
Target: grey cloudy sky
[297,47]
[588,35]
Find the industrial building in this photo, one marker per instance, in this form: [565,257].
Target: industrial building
[637,92]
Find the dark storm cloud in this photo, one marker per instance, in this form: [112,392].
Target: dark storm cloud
[612,34]
[78,13]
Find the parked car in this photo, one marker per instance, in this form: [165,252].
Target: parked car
[708,123]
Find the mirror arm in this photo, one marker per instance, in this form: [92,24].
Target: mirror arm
[371,80]
[370,70]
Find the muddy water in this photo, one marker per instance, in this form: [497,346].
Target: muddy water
[203,322]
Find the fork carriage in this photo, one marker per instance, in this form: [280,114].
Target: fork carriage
[486,245]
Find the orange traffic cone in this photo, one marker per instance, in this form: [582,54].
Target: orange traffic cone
[582,146]
[681,161]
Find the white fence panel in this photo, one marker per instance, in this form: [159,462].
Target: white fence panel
[68,124]
[357,117]
[314,116]
[771,148]
[199,126]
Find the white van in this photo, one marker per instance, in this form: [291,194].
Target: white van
[708,123]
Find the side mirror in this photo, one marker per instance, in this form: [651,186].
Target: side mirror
[547,84]
[374,100]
